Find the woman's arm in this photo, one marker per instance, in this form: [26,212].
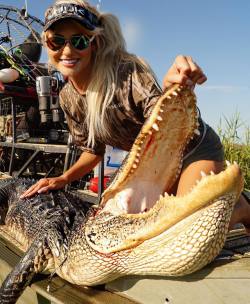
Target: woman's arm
[84,165]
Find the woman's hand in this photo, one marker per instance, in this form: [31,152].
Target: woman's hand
[184,71]
[44,185]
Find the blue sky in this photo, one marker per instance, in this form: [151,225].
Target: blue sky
[215,33]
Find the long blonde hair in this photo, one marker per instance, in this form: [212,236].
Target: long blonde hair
[110,51]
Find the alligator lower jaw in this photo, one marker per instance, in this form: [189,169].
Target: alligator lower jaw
[130,230]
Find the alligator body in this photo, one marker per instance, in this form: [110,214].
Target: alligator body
[88,246]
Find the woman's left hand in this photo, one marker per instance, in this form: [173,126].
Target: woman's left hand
[184,71]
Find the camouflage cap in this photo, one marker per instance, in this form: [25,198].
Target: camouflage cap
[71,11]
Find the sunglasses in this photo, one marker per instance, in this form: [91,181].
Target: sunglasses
[79,42]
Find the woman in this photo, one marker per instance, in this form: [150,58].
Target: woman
[109,94]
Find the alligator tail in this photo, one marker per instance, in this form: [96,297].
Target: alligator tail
[20,277]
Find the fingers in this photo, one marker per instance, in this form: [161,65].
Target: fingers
[44,185]
[195,74]
[184,71]
[176,77]
[46,189]
[35,188]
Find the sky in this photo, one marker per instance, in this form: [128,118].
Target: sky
[216,33]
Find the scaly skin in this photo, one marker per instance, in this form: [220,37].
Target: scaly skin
[89,246]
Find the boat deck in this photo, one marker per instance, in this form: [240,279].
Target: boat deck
[226,280]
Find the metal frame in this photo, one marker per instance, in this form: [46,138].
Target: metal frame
[70,151]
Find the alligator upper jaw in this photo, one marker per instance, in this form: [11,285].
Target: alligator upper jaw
[155,160]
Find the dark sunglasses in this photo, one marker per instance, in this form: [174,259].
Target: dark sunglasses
[79,42]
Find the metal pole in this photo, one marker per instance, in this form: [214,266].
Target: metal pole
[100,179]
[14,135]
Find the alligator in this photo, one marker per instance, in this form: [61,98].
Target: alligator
[91,245]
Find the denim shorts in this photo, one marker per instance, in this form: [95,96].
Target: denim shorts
[207,147]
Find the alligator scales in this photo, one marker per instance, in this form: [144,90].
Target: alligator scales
[84,245]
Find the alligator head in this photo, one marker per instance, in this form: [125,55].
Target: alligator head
[165,235]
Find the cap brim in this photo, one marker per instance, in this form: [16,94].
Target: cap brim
[81,20]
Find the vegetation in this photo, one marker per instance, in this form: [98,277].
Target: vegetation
[235,136]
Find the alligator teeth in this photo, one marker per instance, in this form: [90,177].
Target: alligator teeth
[197,132]
[159,118]
[138,154]
[36,260]
[228,163]
[178,89]
[197,124]
[46,251]
[203,174]
[174,93]
[134,166]
[161,197]
[40,251]
[212,173]
[56,252]
[150,132]
[155,127]
[161,111]
[137,160]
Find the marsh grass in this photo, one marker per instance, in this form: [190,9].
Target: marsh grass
[235,136]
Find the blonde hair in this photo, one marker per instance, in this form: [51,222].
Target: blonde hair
[110,51]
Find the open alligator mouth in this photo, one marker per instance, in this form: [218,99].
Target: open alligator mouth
[139,194]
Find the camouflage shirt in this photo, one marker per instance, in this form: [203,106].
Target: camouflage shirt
[136,92]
